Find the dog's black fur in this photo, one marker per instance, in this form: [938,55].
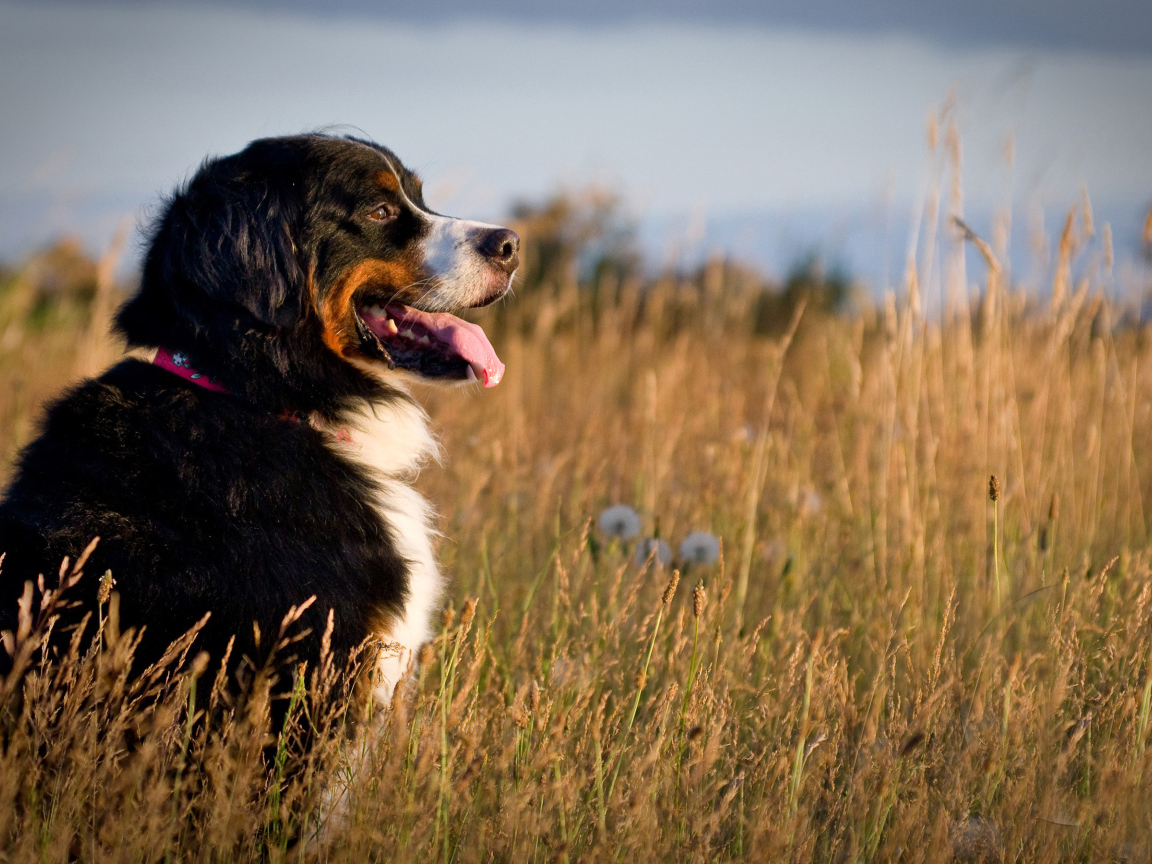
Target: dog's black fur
[234,503]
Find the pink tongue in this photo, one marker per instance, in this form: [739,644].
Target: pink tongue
[465,339]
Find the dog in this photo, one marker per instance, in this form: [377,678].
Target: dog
[291,292]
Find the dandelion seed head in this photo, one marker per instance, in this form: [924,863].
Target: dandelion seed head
[700,547]
[621,522]
[651,546]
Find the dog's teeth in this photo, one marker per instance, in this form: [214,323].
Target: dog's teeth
[408,334]
[376,311]
[424,340]
[392,326]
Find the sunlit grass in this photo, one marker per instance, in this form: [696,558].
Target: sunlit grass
[884,664]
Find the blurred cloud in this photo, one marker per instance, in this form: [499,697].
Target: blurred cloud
[1106,25]
[108,106]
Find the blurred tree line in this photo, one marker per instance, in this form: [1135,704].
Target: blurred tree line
[56,286]
[582,241]
[578,250]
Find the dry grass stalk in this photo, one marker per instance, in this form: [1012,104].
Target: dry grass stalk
[880,709]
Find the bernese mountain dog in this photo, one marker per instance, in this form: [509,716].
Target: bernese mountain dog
[264,457]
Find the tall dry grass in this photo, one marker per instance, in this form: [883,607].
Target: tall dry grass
[885,665]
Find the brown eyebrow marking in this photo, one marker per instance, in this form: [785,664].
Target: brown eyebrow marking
[387,180]
[394,176]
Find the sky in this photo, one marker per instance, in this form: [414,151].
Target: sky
[758,129]
[1108,25]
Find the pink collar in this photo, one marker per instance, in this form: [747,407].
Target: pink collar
[177,363]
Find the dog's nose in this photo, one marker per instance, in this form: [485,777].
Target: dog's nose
[501,247]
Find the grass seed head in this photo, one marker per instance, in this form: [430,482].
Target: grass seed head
[994,488]
[468,612]
[699,598]
[106,583]
[199,664]
[670,591]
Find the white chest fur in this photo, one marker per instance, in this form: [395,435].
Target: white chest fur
[391,442]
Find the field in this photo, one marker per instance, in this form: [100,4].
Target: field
[886,663]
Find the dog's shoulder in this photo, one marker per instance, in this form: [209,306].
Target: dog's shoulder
[139,429]
[101,425]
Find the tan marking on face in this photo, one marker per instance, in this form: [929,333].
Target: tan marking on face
[387,180]
[391,279]
[331,330]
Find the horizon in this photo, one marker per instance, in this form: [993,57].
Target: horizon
[778,141]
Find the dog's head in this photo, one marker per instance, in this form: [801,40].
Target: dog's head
[313,260]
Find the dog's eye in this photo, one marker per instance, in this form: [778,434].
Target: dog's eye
[384,213]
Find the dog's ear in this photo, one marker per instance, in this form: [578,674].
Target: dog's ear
[232,237]
[226,242]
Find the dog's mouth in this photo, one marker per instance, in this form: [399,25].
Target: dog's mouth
[433,344]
